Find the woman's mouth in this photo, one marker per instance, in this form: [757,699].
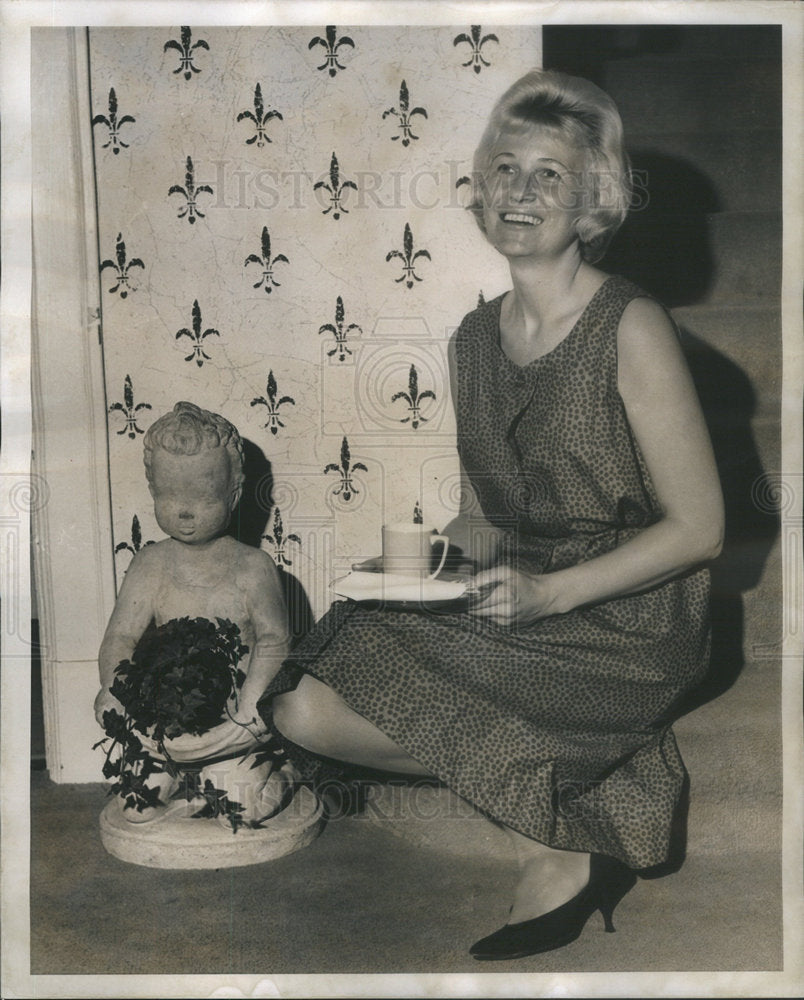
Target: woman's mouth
[521,217]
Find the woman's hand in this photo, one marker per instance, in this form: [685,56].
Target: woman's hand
[508,597]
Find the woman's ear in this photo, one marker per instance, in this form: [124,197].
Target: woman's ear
[234,499]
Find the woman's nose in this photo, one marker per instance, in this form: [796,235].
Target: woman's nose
[185,514]
[527,188]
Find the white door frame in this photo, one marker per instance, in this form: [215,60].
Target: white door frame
[72,532]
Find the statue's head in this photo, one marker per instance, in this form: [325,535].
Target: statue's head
[194,464]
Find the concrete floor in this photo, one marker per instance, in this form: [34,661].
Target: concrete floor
[361,899]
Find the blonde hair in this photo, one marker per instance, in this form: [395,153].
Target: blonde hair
[587,117]
[186,430]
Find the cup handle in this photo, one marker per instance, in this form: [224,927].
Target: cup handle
[445,540]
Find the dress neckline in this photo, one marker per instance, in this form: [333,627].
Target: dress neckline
[553,350]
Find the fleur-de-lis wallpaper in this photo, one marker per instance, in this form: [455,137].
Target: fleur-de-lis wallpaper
[284,241]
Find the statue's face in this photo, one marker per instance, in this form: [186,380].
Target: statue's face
[193,496]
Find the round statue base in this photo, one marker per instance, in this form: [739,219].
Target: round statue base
[175,840]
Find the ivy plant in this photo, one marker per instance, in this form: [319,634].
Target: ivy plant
[181,678]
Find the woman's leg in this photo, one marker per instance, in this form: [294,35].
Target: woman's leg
[547,877]
[319,720]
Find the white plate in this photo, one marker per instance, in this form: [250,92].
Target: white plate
[361,586]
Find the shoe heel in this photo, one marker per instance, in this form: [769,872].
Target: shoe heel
[612,894]
[607,911]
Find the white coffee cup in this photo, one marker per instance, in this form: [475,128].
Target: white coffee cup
[406,549]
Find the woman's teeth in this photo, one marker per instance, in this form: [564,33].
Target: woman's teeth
[532,220]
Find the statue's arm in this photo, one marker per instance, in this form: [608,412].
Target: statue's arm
[132,613]
[269,620]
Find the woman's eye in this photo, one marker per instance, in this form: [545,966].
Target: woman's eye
[506,168]
[549,174]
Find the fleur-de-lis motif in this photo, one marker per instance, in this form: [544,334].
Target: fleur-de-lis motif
[331,43]
[260,117]
[136,539]
[414,399]
[266,263]
[129,410]
[336,187]
[481,301]
[114,124]
[272,404]
[195,334]
[418,515]
[346,469]
[340,333]
[122,267]
[185,49]
[280,541]
[475,60]
[190,193]
[408,258]
[404,115]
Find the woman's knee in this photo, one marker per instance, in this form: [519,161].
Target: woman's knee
[309,714]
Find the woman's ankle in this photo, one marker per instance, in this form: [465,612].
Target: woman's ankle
[547,880]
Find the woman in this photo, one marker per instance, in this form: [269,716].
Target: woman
[591,503]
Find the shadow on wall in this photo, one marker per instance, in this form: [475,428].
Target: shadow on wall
[728,402]
[250,517]
[664,243]
[664,247]
[250,526]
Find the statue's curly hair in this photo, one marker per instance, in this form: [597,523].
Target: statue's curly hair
[186,430]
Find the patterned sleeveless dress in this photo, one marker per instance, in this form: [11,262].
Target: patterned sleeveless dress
[559,729]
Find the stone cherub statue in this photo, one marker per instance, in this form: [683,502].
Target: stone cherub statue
[194,465]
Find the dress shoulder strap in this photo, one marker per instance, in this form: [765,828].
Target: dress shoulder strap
[622,290]
[607,307]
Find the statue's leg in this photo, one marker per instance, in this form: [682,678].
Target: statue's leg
[257,792]
[166,784]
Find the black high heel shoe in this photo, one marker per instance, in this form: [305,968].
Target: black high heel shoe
[609,881]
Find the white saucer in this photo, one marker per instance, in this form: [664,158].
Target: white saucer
[361,586]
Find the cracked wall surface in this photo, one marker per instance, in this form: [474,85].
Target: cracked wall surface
[283,240]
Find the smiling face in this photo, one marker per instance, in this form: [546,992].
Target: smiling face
[533,192]
[193,494]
